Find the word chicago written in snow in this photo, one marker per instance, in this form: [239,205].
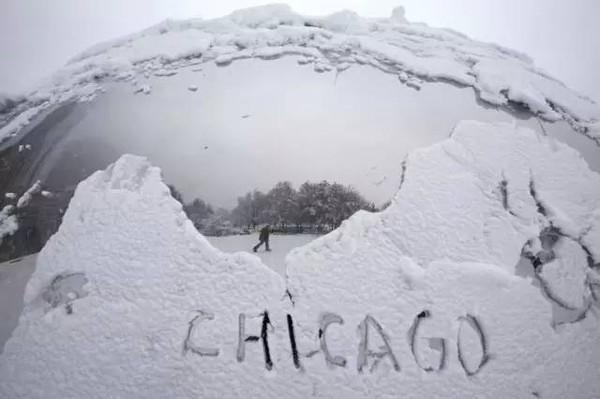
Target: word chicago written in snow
[367,326]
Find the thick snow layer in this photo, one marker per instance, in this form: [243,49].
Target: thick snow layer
[421,300]
[416,53]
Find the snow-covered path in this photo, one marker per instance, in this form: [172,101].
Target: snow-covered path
[280,245]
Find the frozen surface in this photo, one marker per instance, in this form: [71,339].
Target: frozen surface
[421,300]
[280,246]
[415,53]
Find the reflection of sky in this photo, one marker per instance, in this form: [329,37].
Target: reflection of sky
[254,123]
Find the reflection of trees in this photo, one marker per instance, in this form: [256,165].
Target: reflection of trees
[314,207]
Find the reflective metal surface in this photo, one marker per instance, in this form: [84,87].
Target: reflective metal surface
[220,132]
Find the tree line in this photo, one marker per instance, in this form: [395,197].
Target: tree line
[314,207]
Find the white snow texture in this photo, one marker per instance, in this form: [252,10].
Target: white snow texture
[129,300]
[416,53]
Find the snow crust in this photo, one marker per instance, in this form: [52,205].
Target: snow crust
[129,300]
[416,53]
[9,224]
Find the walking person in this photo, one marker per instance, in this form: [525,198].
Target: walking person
[263,238]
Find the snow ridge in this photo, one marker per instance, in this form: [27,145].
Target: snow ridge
[415,52]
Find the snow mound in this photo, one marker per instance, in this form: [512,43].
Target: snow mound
[129,300]
[416,53]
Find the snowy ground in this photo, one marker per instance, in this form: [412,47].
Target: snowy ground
[280,247]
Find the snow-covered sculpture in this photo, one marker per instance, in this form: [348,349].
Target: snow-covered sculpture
[423,299]
[481,279]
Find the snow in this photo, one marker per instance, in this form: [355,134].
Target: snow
[362,97]
[24,200]
[415,52]
[280,246]
[398,15]
[20,121]
[9,223]
[165,72]
[128,299]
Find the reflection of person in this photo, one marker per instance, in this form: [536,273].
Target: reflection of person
[263,238]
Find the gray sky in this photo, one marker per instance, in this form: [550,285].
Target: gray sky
[563,36]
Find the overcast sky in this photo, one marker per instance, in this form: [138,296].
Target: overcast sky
[563,36]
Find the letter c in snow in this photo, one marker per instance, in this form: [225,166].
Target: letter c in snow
[189,346]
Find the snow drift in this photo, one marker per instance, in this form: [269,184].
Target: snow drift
[416,53]
[422,300]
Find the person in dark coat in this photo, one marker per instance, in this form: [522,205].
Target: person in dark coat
[263,238]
